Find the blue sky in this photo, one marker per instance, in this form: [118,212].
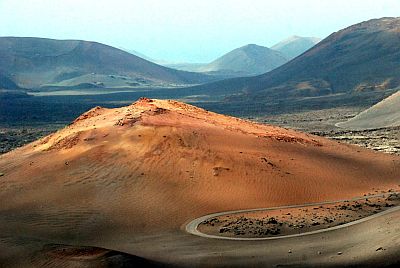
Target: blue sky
[185,30]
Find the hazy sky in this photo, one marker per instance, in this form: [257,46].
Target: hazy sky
[185,30]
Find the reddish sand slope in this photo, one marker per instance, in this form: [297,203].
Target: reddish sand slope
[156,164]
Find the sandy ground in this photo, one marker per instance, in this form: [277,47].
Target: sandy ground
[129,179]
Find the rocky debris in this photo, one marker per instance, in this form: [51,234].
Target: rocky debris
[393,197]
[1,174]
[302,219]
[216,171]
[387,205]
[156,111]
[223,230]
[212,221]
[67,142]
[96,111]
[131,117]
[127,120]
[291,139]
[272,221]
[143,100]
[242,226]
[268,162]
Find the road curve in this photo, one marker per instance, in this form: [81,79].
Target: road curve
[192,226]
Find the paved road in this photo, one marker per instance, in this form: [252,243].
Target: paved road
[192,227]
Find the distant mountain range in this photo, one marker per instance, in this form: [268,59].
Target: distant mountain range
[140,55]
[47,64]
[362,58]
[58,64]
[361,61]
[383,114]
[252,59]
[295,46]
[246,60]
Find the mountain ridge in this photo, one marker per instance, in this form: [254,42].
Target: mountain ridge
[360,58]
[250,59]
[33,62]
[295,45]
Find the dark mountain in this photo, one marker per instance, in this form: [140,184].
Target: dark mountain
[295,45]
[9,90]
[7,83]
[362,58]
[38,62]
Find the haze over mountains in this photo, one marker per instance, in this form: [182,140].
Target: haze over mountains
[247,60]
[45,63]
[295,45]
[362,58]
[252,59]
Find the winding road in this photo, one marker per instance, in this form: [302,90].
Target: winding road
[192,227]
